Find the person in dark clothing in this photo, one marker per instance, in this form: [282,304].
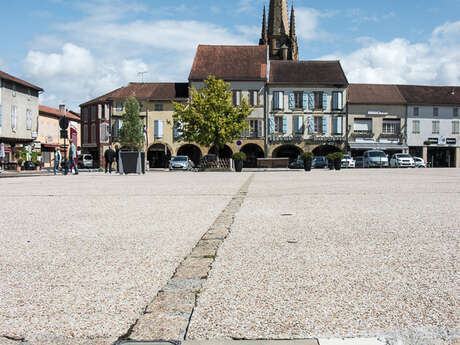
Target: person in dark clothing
[117,157]
[109,156]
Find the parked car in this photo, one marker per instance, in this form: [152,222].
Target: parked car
[402,160]
[85,161]
[375,159]
[319,162]
[297,164]
[29,165]
[419,162]
[348,162]
[181,163]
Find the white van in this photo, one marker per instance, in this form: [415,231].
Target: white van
[85,161]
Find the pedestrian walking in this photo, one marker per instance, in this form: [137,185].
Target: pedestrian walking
[72,156]
[109,156]
[117,158]
[57,160]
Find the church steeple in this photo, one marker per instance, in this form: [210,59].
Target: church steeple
[264,37]
[281,32]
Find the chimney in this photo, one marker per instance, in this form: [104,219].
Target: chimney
[62,109]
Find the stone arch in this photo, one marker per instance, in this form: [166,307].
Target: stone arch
[324,150]
[159,155]
[193,152]
[252,151]
[287,151]
[225,152]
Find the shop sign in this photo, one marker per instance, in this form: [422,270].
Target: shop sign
[375,112]
[324,139]
[285,138]
[451,141]
[442,141]
[433,140]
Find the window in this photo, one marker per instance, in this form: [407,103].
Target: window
[84,114]
[253,98]
[93,113]
[85,134]
[337,125]
[236,98]
[28,120]
[13,92]
[42,129]
[116,128]
[455,127]
[392,127]
[318,123]
[318,100]
[298,100]
[416,126]
[435,125]
[104,133]
[337,100]
[435,111]
[158,107]
[278,100]
[298,125]
[158,129]
[362,126]
[416,111]
[119,106]
[455,113]
[93,133]
[279,124]
[13,118]
[255,128]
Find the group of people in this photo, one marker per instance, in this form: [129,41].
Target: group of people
[70,162]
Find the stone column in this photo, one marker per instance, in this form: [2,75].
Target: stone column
[425,154]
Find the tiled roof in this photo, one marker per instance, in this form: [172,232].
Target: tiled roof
[432,95]
[230,63]
[42,109]
[307,72]
[7,76]
[374,94]
[148,91]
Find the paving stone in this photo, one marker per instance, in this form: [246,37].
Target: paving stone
[206,248]
[219,232]
[160,326]
[351,341]
[251,342]
[5,341]
[193,268]
[172,302]
[184,285]
[129,342]
[69,341]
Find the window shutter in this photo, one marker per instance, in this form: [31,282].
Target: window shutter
[311,100]
[340,100]
[271,127]
[281,100]
[334,125]
[325,120]
[260,128]
[160,128]
[291,100]
[275,100]
[339,126]
[335,101]
[305,100]
[324,101]
[155,123]
[284,124]
[311,125]
[296,124]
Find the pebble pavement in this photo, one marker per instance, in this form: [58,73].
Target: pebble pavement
[82,256]
[358,253]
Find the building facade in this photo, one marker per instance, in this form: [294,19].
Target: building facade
[18,116]
[376,119]
[306,108]
[49,133]
[433,121]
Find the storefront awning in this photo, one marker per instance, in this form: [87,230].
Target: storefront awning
[49,146]
[377,146]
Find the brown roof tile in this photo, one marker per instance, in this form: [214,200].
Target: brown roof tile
[432,95]
[230,63]
[307,72]
[7,76]
[148,91]
[42,109]
[374,94]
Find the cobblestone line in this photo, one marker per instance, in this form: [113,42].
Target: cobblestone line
[167,317]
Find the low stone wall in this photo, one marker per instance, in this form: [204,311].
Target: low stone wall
[272,162]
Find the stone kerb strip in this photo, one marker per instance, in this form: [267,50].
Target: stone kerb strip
[168,316]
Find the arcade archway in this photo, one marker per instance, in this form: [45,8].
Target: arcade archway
[225,152]
[158,156]
[252,151]
[287,151]
[324,150]
[193,152]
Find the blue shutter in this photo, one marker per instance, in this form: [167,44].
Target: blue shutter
[311,125]
[311,101]
[324,100]
[275,100]
[284,124]
[272,125]
[305,100]
[281,100]
[160,128]
[325,120]
[291,100]
[339,125]
[155,123]
[296,124]
[335,100]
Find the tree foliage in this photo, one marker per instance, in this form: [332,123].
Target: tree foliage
[210,119]
[132,131]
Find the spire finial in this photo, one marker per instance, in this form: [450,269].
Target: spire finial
[264,36]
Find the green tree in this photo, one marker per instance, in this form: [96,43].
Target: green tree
[132,131]
[210,119]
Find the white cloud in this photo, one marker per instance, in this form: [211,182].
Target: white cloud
[400,61]
[307,23]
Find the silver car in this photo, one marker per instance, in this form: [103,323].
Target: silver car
[375,159]
[181,163]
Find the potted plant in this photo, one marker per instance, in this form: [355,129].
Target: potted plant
[427,143]
[36,160]
[21,157]
[307,158]
[338,156]
[132,140]
[239,158]
[330,161]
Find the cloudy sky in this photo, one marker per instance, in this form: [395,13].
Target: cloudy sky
[80,49]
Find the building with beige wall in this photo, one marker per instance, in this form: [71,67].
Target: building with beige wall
[376,119]
[49,133]
[18,115]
